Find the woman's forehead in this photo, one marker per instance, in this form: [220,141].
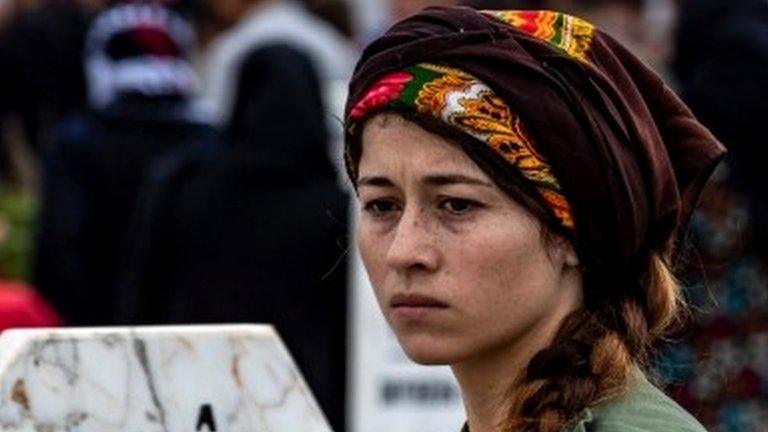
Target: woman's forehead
[391,142]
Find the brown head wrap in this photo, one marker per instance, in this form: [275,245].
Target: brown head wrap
[628,154]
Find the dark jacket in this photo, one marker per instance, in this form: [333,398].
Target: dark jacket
[720,62]
[93,177]
[256,233]
[41,68]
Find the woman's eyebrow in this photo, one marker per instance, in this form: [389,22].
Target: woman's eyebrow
[378,181]
[430,180]
[450,179]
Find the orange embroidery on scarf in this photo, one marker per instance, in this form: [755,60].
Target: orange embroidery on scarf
[465,102]
[567,33]
[432,97]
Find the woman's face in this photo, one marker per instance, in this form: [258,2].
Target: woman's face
[459,268]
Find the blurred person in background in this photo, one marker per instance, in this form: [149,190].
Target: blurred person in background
[719,367]
[23,307]
[720,62]
[41,78]
[36,38]
[402,9]
[256,233]
[141,87]
[337,12]
[242,26]
[20,304]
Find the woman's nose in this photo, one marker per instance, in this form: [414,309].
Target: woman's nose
[414,245]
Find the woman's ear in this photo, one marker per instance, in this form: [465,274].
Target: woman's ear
[566,252]
[571,258]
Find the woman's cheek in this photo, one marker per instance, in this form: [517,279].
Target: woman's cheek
[372,250]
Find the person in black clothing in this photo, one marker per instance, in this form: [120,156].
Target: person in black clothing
[715,366]
[720,60]
[256,233]
[41,73]
[140,89]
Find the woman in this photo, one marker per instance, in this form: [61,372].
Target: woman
[522,180]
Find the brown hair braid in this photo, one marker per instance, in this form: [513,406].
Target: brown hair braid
[591,357]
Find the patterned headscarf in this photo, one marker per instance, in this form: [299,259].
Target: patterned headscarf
[617,158]
[465,103]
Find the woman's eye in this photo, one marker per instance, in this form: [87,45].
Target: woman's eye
[458,205]
[380,207]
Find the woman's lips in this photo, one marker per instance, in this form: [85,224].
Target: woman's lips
[415,306]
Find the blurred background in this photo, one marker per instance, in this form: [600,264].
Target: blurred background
[179,161]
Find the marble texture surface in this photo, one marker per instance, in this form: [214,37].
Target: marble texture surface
[145,379]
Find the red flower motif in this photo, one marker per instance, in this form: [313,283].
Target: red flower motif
[380,94]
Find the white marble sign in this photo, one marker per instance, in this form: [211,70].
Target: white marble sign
[237,378]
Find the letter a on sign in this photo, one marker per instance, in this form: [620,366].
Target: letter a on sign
[205,420]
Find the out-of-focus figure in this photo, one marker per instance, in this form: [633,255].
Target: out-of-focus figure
[41,77]
[23,307]
[140,91]
[247,25]
[239,27]
[256,233]
[337,12]
[20,304]
[402,9]
[720,368]
[720,62]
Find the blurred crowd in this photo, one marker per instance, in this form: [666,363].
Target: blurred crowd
[178,161]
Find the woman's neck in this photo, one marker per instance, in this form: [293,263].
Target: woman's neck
[487,379]
[486,384]
[484,388]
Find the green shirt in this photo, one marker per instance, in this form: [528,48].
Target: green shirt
[644,408]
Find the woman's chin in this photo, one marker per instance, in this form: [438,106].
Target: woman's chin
[428,359]
[430,353]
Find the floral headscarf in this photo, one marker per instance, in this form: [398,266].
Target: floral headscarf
[616,156]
